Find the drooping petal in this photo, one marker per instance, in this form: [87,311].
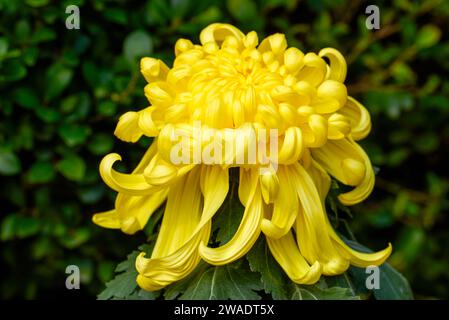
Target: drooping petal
[247,232]
[347,162]
[359,259]
[286,252]
[311,227]
[132,184]
[175,253]
[134,211]
[285,207]
[108,219]
[131,213]
[362,259]
[214,186]
[359,118]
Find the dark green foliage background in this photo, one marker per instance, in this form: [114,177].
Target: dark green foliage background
[61,92]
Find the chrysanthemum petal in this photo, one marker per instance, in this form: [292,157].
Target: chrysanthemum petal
[359,259]
[247,233]
[285,208]
[312,233]
[217,32]
[287,254]
[337,68]
[131,184]
[153,69]
[214,186]
[127,128]
[175,253]
[359,118]
[347,162]
[108,219]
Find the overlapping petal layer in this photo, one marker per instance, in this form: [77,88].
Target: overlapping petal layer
[282,116]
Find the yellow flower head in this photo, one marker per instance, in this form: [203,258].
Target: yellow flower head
[229,89]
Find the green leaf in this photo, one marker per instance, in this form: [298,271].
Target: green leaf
[40,172]
[15,226]
[121,286]
[428,36]
[72,167]
[298,292]
[232,281]
[30,56]
[124,285]
[392,284]
[9,163]
[58,78]
[242,10]
[47,115]
[8,227]
[280,287]
[43,35]
[101,143]
[76,238]
[12,70]
[116,15]
[272,275]
[27,98]
[137,44]
[73,134]
[107,108]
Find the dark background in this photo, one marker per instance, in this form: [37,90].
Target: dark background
[61,92]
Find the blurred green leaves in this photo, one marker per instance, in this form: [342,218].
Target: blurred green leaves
[63,90]
[40,172]
[428,36]
[136,45]
[72,167]
[9,163]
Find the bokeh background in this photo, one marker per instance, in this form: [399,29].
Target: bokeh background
[61,92]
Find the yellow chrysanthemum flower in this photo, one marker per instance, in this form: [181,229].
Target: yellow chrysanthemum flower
[231,85]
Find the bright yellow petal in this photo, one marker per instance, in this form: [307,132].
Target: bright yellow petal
[285,207]
[287,254]
[359,259]
[347,162]
[247,233]
[217,33]
[214,186]
[337,69]
[108,219]
[134,211]
[312,233]
[153,69]
[359,118]
[127,128]
[132,184]
[175,253]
